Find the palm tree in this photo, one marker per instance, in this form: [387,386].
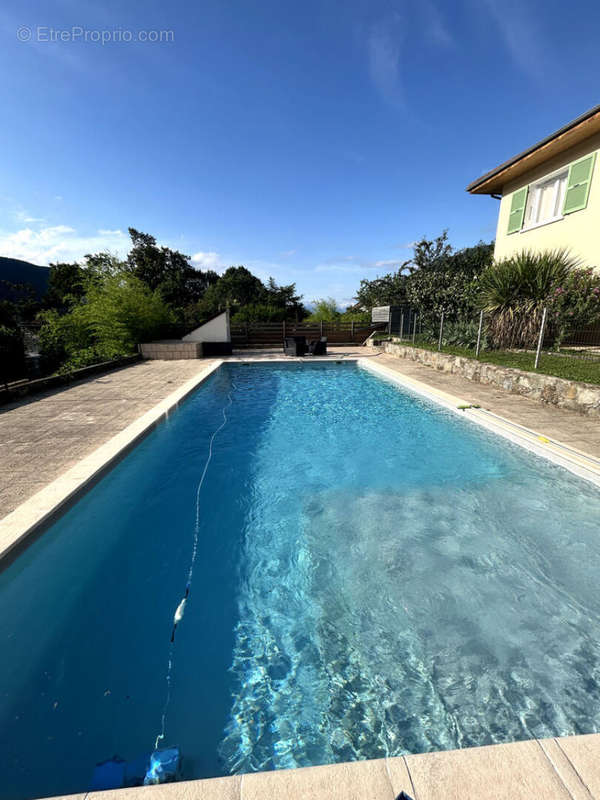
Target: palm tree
[513,292]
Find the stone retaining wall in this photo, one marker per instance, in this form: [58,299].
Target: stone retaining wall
[171,350]
[576,396]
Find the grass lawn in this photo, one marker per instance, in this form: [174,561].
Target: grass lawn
[562,366]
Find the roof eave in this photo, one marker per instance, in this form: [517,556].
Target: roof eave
[567,136]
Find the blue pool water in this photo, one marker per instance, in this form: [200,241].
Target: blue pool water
[374,577]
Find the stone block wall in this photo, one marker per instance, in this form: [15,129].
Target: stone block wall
[581,397]
[172,350]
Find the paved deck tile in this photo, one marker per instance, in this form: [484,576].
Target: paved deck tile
[357,780]
[44,435]
[583,753]
[565,769]
[212,789]
[517,771]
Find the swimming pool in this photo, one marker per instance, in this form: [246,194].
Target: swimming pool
[374,576]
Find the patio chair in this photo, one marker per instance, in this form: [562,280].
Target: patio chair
[318,347]
[294,345]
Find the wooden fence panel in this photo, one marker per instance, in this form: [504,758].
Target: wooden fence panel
[271,334]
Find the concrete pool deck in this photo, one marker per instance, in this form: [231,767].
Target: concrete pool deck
[44,438]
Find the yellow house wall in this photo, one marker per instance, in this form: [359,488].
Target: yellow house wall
[579,231]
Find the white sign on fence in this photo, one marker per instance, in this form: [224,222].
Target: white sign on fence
[380,314]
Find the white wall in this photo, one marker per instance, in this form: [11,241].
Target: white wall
[215,330]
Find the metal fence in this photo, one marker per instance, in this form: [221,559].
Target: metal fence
[536,334]
[272,334]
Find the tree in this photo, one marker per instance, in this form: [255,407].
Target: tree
[236,287]
[285,299]
[167,270]
[65,285]
[450,282]
[435,279]
[429,254]
[389,290]
[325,310]
[356,313]
[249,300]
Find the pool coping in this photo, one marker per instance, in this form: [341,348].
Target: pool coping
[36,513]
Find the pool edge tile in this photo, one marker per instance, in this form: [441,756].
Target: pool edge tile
[565,769]
[78,796]
[518,770]
[583,753]
[399,776]
[227,788]
[354,780]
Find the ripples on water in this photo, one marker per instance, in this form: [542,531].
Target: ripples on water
[407,584]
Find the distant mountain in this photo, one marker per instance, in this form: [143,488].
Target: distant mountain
[17,271]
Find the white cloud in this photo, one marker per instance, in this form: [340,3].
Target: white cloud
[288,253]
[435,27]
[521,36]
[44,245]
[23,216]
[207,260]
[384,49]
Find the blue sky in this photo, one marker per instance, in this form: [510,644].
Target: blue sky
[311,141]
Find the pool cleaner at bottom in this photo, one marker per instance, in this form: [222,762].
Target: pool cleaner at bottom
[161,766]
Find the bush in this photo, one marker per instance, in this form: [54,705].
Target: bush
[514,291]
[122,311]
[462,332]
[117,312]
[575,303]
[61,337]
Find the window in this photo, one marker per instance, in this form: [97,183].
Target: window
[545,200]
[552,197]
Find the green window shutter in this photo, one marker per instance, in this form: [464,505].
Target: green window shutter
[578,184]
[517,210]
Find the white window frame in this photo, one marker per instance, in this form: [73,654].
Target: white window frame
[535,188]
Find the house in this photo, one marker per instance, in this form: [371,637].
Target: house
[550,193]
